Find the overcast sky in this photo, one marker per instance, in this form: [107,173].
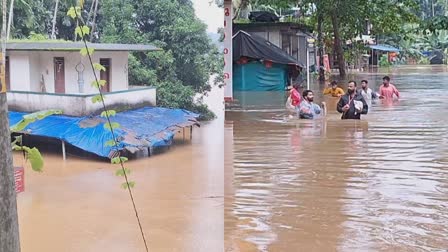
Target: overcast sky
[209,14]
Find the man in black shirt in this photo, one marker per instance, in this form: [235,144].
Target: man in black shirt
[352,104]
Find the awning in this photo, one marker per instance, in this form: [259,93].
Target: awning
[384,47]
[256,47]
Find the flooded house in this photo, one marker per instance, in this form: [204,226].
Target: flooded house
[49,75]
[54,75]
[287,40]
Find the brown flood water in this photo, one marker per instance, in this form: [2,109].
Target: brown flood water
[78,205]
[380,184]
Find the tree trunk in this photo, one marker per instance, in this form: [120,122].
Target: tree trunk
[53,29]
[446,7]
[11,15]
[94,20]
[90,12]
[9,225]
[338,45]
[320,44]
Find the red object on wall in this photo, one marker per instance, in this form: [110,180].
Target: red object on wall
[19,179]
[243,60]
[268,63]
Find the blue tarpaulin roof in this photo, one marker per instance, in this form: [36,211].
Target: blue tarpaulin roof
[140,128]
[384,47]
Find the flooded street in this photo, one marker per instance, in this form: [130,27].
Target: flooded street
[380,184]
[79,205]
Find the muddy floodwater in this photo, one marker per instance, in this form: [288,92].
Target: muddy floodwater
[78,205]
[379,184]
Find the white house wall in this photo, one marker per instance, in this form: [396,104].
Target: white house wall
[275,38]
[19,71]
[35,73]
[79,105]
[27,69]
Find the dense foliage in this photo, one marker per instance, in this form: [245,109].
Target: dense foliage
[345,20]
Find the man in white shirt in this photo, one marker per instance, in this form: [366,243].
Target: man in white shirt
[367,93]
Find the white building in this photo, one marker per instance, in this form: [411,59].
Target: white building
[54,75]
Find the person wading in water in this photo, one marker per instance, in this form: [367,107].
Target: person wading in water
[294,98]
[352,104]
[308,109]
[367,93]
[387,90]
[334,90]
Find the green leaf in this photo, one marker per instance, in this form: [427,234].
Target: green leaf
[116,160]
[121,172]
[82,31]
[108,113]
[71,13]
[112,125]
[95,84]
[78,32]
[36,160]
[97,98]
[16,147]
[98,84]
[17,140]
[125,185]
[85,51]
[110,143]
[99,67]
[30,118]
[85,30]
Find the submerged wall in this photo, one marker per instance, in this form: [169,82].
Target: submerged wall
[80,105]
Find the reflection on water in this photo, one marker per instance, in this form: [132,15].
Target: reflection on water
[78,205]
[379,184]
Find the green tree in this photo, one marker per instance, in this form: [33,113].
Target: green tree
[188,58]
[343,20]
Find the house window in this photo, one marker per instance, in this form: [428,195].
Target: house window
[286,43]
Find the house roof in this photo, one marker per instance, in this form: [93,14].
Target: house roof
[290,25]
[384,47]
[74,46]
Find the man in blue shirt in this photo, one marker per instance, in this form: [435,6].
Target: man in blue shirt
[308,109]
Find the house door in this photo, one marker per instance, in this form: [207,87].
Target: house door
[105,75]
[59,75]
[7,78]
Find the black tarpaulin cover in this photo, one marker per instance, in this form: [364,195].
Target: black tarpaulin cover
[256,47]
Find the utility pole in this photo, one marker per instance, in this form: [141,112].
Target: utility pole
[9,225]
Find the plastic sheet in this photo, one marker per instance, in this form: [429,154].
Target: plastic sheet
[141,128]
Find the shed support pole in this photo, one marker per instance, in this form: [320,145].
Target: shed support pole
[191,133]
[63,151]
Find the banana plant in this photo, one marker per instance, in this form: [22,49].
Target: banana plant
[31,154]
